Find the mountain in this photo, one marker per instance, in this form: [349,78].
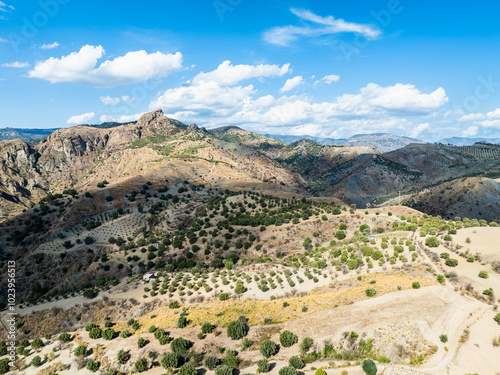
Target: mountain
[381,141]
[24,134]
[467,141]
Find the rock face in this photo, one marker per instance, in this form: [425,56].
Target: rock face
[192,127]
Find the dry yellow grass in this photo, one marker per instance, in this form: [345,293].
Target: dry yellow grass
[221,313]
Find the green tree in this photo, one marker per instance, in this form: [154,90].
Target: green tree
[296,362]
[369,367]
[81,350]
[207,328]
[36,343]
[263,365]
[268,348]
[210,362]
[223,370]
[180,345]
[141,365]
[92,365]
[288,338]
[170,360]
[36,361]
[236,330]
[187,369]
[288,370]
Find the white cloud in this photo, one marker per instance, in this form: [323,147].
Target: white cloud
[120,118]
[5,8]
[470,132]
[81,119]
[50,46]
[489,120]
[227,74]
[291,84]
[108,100]
[2,40]
[80,67]
[16,64]
[419,129]
[328,79]
[317,26]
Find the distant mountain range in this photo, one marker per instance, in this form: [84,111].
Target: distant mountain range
[465,141]
[24,134]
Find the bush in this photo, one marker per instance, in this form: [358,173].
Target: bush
[223,370]
[370,292]
[288,370]
[296,362]
[369,367]
[207,328]
[431,242]
[443,338]
[268,348]
[108,334]
[180,345]
[415,285]
[37,343]
[182,322]
[64,337]
[173,305]
[451,262]
[81,350]
[340,234]
[210,362]
[95,333]
[236,330]
[223,296]
[483,274]
[141,342]
[92,365]
[306,344]
[497,318]
[123,356]
[288,338]
[187,369]
[141,365]
[170,360]
[36,361]
[320,372]
[263,365]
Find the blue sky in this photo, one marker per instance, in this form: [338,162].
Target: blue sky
[332,68]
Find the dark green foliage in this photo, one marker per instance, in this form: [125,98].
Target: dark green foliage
[170,360]
[210,362]
[182,322]
[288,338]
[187,369]
[81,350]
[268,348]
[451,262]
[370,292]
[207,328]
[223,370]
[108,334]
[95,333]
[443,338]
[37,343]
[236,330]
[369,367]
[92,365]
[296,362]
[123,356]
[173,305]
[415,285]
[306,344]
[36,361]
[224,296]
[432,242]
[141,342]
[141,365]
[263,365]
[64,337]
[288,370]
[180,345]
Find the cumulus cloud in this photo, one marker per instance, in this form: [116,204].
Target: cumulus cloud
[120,118]
[328,79]
[489,120]
[291,84]
[419,129]
[50,46]
[372,109]
[471,131]
[16,64]
[228,74]
[317,26]
[81,67]
[84,118]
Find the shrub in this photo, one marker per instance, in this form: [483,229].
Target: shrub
[369,367]
[431,242]
[296,362]
[125,333]
[340,234]
[141,365]
[223,296]
[123,356]
[170,360]
[141,342]
[187,369]
[180,345]
[370,292]
[440,279]
[443,338]
[483,274]
[173,305]
[306,344]
[152,329]
[415,285]
[36,361]
[210,362]
[236,330]
[263,365]
[320,372]
[95,333]
[497,318]
[81,350]
[288,370]
[268,348]
[182,322]
[108,334]
[451,262]
[288,338]
[223,370]
[92,365]
[64,337]
[89,326]
[37,343]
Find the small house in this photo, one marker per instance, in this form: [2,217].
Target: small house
[149,276]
